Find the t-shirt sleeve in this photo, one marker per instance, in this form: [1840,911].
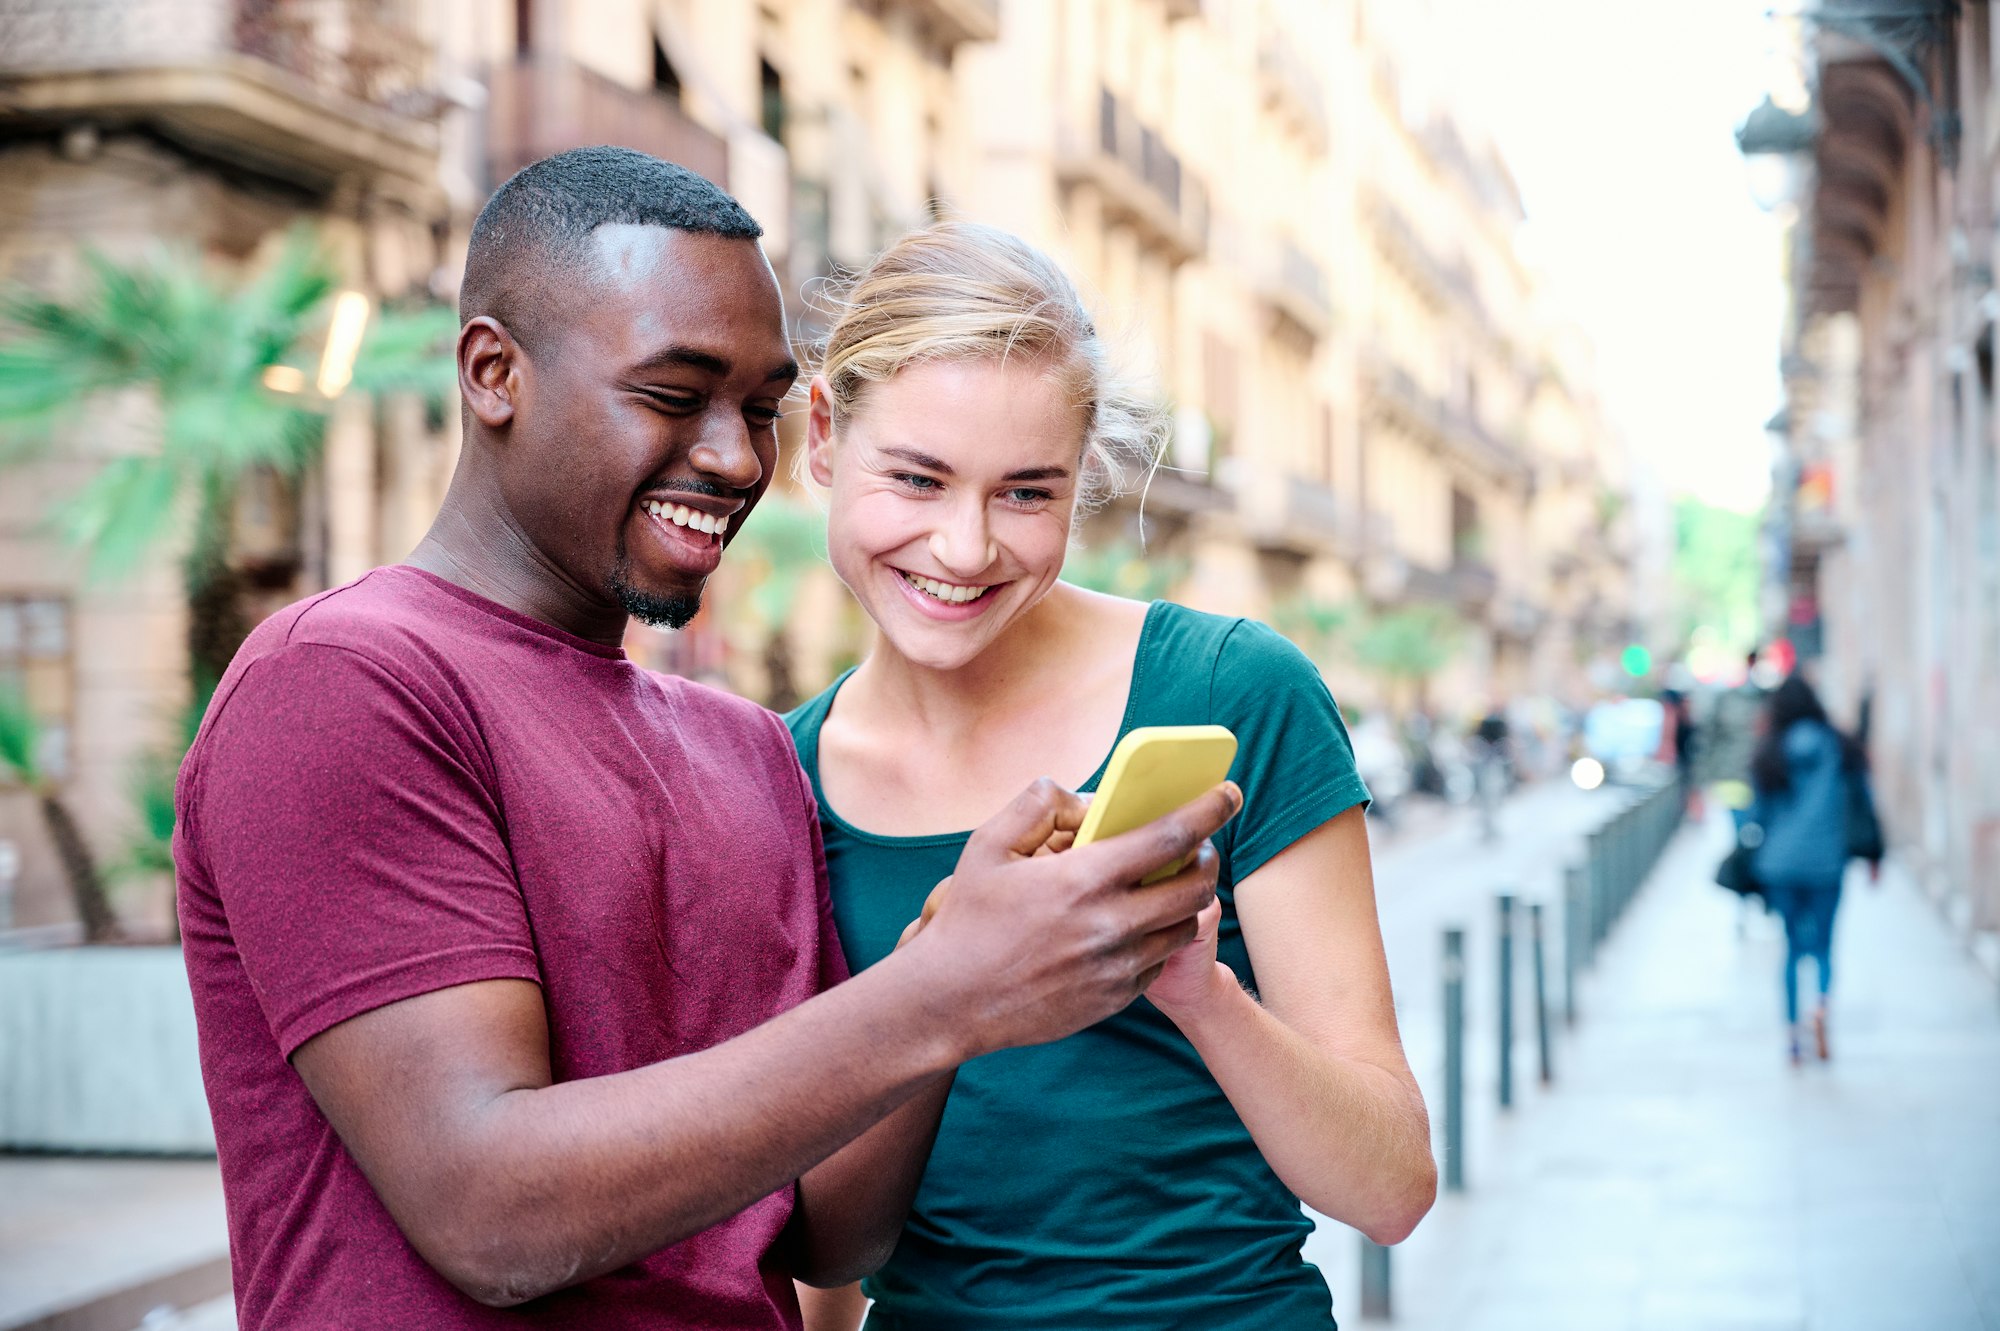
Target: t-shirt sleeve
[1294,761]
[832,958]
[347,823]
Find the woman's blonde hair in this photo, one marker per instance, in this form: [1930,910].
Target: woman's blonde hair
[958,291]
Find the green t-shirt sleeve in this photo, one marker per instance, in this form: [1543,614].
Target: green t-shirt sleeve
[1294,761]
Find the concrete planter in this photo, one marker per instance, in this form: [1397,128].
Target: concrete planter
[97,1053]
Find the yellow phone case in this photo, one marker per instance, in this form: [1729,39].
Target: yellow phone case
[1153,771]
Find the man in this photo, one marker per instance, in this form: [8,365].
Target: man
[518,996]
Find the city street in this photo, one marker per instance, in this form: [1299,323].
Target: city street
[1678,1174]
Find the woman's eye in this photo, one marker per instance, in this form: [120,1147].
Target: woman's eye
[921,484]
[1029,496]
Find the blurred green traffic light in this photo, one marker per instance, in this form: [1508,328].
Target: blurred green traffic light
[1638,662]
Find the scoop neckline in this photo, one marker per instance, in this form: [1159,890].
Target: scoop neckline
[831,815]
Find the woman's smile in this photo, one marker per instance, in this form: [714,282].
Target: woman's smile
[949,602]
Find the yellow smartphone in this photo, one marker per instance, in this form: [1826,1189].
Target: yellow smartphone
[1153,771]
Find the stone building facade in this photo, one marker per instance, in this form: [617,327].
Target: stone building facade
[1886,530]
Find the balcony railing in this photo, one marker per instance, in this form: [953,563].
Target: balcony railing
[1290,84]
[537,106]
[956,21]
[1294,286]
[1395,392]
[1281,511]
[1141,179]
[1473,582]
[1447,281]
[308,89]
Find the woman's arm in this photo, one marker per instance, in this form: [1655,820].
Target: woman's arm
[837,1309]
[1316,1068]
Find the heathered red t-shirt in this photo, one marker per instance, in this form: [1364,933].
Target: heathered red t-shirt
[401,786]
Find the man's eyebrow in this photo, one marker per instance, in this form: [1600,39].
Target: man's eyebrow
[789,372]
[684,358]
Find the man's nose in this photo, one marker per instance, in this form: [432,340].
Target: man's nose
[726,453]
[963,543]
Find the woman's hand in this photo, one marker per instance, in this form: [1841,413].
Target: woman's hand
[1192,977]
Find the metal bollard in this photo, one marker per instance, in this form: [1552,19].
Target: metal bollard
[1374,1280]
[1454,1060]
[1597,865]
[1506,1000]
[1576,925]
[1541,993]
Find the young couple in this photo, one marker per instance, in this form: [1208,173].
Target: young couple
[522,974]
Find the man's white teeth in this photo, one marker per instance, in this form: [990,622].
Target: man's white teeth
[683,516]
[945,591]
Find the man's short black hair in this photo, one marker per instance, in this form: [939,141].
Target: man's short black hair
[535,228]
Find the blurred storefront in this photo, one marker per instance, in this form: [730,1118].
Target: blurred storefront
[1886,577]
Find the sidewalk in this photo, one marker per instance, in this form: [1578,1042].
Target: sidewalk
[1680,1174]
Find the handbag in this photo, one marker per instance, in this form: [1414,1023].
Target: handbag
[1864,827]
[1737,872]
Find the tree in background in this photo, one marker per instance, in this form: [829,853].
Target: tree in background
[1715,573]
[1121,568]
[239,377]
[1408,645]
[229,370]
[782,543]
[21,756]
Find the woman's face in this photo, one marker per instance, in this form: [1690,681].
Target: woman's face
[953,486]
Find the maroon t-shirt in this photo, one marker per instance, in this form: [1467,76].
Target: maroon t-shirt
[401,786]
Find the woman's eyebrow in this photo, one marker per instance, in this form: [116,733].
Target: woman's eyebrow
[918,458]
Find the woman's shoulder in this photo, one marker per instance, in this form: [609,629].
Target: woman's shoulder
[1227,652]
[805,720]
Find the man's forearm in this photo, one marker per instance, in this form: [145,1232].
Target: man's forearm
[547,1186]
[853,1204]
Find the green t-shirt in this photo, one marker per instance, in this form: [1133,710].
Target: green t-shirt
[1105,1180]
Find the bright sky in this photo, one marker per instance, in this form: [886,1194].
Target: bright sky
[1617,118]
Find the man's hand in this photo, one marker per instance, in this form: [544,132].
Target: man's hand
[1028,947]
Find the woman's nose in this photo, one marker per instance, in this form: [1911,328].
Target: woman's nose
[963,545]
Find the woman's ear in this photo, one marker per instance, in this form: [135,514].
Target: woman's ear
[819,432]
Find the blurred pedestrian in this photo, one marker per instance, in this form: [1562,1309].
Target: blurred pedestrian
[1680,744]
[1812,791]
[1730,738]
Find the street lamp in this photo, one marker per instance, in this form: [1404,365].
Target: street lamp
[1770,138]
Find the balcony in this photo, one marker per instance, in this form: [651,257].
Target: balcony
[955,21]
[1472,583]
[306,91]
[1283,512]
[1445,282]
[1294,288]
[537,106]
[1291,88]
[1139,178]
[1394,395]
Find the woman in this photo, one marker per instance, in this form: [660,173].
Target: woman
[1803,774]
[1145,1173]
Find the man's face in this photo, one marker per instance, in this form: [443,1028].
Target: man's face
[644,425]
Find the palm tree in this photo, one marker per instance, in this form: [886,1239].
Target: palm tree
[228,369]
[20,755]
[1410,644]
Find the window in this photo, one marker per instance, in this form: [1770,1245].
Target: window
[773,104]
[35,666]
[666,79]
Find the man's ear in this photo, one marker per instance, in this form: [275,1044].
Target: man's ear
[489,370]
[819,432]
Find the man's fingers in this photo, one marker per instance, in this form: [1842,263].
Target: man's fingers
[1181,897]
[1029,820]
[1167,839]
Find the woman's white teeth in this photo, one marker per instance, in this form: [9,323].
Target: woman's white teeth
[945,591]
[683,516]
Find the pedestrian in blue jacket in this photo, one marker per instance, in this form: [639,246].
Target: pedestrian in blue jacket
[1804,774]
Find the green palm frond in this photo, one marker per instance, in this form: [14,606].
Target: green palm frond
[122,513]
[410,351]
[20,738]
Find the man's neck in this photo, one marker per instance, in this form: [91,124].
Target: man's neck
[479,547]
